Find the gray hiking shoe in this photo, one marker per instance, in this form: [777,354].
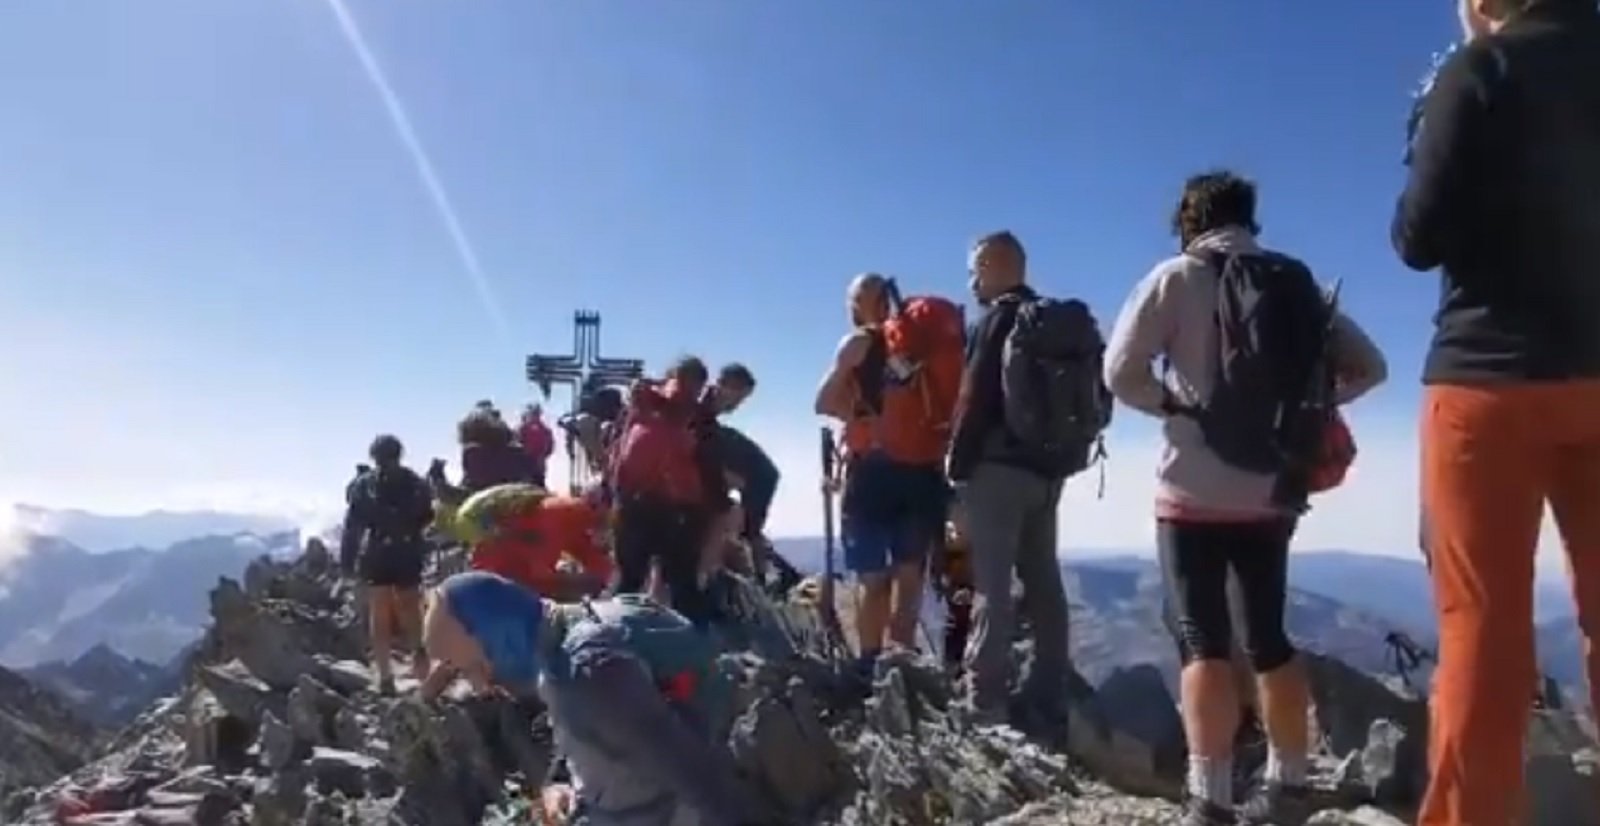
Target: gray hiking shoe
[1197,812]
[1274,805]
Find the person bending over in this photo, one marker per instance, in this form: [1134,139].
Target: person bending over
[637,703]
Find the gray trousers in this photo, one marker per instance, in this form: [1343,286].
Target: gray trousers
[636,760]
[1011,524]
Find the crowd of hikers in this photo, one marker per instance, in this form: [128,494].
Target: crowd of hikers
[956,441]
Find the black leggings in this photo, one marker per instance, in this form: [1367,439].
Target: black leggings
[1196,558]
[649,529]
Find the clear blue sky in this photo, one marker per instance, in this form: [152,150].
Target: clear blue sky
[221,271]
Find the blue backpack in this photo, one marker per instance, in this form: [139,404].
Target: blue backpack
[682,659]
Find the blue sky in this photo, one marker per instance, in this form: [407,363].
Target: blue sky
[221,271]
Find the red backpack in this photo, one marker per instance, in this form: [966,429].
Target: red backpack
[654,452]
[925,353]
[1338,453]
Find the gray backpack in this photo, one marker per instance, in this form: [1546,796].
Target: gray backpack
[1056,401]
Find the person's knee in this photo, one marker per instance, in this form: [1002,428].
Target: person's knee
[1199,641]
[1272,655]
[876,585]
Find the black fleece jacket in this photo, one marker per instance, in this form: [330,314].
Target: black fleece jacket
[1504,195]
[980,433]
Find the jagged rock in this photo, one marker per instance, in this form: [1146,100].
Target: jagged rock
[349,729]
[280,800]
[278,745]
[316,559]
[240,693]
[312,709]
[1562,773]
[344,772]
[215,737]
[344,676]
[1386,768]
[259,638]
[1136,700]
[1119,758]
[780,740]
[1364,816]
[1356,712]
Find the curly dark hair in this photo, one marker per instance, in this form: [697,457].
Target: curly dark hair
[483,427]
[1213,200]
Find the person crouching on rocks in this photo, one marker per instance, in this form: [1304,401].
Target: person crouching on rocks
[389,508]
[636,700]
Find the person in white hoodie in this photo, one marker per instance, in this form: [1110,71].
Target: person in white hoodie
[1213,516]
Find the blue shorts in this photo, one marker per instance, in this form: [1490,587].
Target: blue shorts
[890,513]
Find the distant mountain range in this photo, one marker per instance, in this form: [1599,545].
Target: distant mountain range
[59,601]
[107,688]
[1341,603]
[155,529]
[40,736]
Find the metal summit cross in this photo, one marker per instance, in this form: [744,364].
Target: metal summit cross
[583,372]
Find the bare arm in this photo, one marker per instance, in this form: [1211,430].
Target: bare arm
[1359,365]
[836,397]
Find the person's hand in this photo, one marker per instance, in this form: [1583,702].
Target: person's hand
[555,804]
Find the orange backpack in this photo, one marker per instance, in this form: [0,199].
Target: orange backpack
[924,346]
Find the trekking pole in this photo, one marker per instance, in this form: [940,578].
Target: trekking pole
[830,611]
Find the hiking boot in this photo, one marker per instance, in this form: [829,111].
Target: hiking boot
[385,685]
[1197,812]
[1275,805]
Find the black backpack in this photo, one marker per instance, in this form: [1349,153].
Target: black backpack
[1273,398]
[1056,401]
[399,506]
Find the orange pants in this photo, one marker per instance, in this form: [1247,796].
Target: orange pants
[1492,456]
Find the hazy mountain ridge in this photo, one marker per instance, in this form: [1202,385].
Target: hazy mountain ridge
[99,533]
[40,736]
[1342,604]
[106,687]
[58,601]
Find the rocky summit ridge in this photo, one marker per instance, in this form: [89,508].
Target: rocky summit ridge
[276,725]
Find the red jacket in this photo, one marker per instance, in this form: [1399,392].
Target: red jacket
[537,440]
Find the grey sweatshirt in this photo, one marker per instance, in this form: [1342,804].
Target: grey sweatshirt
[1172,314]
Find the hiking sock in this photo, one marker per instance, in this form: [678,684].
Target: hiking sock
[1211,780]
[1284,769]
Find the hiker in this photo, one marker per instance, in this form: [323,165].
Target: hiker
[1503,196]
[896,431]
[952,581]
[750,471]
[1033,408]
[668,485]
[490,456]
[549,543]
[389,508]
[537,441]
[637,702]
[362,469]
[1227,501]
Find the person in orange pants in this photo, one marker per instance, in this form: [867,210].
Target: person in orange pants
[1502,195]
